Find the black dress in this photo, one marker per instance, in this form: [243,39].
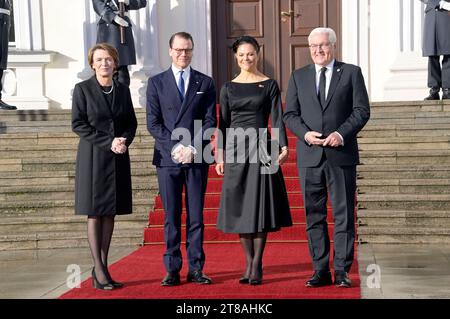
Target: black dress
[253,198]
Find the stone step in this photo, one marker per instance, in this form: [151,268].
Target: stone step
[419,130]
[410,106]
[139,175]
[60,164]
[51,208]
[404,143]
[49,115]
[73,223]
[50,127]
[404,201]
[405,157]
[404,235]
[402,171]
[404,186]
[64,192]
[64,239]
[40,151]
[61,138]
[402,218]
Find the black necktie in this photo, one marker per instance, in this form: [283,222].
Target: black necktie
[322,86]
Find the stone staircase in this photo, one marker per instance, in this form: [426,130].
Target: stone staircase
[37,170]
[404,182]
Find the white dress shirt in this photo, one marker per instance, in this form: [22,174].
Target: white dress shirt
[186,76]
[328,75]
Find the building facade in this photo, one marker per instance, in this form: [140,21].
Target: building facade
[52,37]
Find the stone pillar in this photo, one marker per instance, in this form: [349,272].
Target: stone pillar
[409,71]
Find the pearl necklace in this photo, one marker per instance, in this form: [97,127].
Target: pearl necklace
[112,87]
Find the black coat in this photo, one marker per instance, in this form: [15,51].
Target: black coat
[103,178]
[436,38]
[5,24]
[109,32]
[346,111]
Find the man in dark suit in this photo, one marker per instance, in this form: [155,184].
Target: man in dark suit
[436,43]
[109,31]
[326,106]
[180,108]
[5,24]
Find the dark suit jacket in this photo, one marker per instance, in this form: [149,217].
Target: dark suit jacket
[108,31]
[346,111]
[103,179]
[166,112]
[436,39]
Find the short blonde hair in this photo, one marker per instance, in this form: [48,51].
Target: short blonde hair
[108,48]
[330,32]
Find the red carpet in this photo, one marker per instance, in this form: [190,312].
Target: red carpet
[287,264]
[286,268]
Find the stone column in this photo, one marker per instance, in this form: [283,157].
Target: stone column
[409,71]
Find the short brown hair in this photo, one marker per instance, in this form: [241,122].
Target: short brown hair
[108,48]
[183,35]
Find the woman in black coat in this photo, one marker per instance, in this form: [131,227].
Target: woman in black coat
[103,116]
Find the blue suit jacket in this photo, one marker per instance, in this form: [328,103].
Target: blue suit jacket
[166,113]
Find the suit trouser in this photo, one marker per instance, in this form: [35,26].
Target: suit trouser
[171,181]
[341,185]
[439,77]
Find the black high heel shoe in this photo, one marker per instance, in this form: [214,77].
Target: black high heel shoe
[244,280]
[115,284]
[256,280]
[97,285]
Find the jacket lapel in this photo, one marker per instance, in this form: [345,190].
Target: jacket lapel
[194,83]
[97,95]
[337,72]
[312,84]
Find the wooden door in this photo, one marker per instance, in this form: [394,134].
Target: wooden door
[280,26]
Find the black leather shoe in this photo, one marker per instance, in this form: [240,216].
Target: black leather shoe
[341,279]
[319,279]
[446,94]
[198,277]
[244,280]
[434,95]
[171,279]
[4,106]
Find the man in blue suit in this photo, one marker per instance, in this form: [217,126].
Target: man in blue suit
[180,109]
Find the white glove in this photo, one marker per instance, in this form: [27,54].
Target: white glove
[444,5]
[121,21]
[127,2]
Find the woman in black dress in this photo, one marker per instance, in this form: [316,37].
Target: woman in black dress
[254,199]
[103,116]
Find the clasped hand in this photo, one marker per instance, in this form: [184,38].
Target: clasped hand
[313,138]
[118,145]
[183,154]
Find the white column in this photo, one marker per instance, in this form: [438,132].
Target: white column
[145,30]
[356,35]
[90,36]
[24,78]
[408,79]
[198,21]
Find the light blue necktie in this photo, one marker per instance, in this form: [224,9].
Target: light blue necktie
[181,85]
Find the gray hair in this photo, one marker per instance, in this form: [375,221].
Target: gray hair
[328,31]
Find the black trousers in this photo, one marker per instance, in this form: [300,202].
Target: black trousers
[339,183]
[439,76]
[1,86]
